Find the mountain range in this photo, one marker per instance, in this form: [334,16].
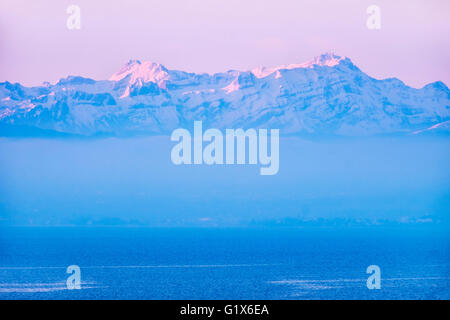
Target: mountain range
[328,95]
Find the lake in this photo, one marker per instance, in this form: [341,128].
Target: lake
[225,263]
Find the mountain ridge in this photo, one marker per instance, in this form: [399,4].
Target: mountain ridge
[327,95]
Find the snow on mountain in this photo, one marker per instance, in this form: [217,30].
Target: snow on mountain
[136,73]
[328,59]
[327,95]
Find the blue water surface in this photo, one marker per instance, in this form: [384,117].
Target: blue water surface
[224,263]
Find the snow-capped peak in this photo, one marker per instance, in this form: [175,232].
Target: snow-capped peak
[327,59]
[137,72]
[146,71]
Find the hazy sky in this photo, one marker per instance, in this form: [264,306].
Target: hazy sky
[218,35]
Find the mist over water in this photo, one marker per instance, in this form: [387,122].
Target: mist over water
[132,181]
[309,232]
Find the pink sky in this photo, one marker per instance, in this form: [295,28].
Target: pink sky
[218,35]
